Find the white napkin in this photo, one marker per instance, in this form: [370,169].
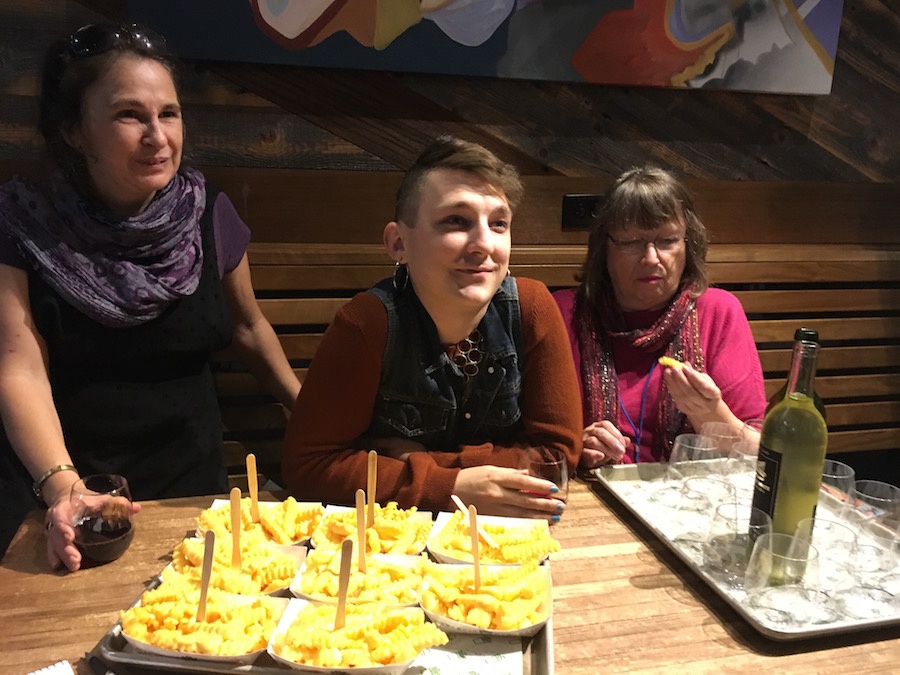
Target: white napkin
[61,668]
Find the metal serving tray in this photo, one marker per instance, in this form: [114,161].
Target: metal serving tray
[631,485]
[474,654]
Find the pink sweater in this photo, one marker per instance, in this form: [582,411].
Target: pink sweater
[729,354]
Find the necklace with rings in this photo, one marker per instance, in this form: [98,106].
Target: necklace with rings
[467,353]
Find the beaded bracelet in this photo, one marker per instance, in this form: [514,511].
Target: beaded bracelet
[38,485]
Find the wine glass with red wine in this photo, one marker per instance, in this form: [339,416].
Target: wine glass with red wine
[550,464]
[104,527]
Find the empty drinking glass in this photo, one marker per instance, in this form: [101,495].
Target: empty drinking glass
[836,543]
[782,580]
[751,430]
[837,483]
[724,435]
[877,549]
[689,524]
[734,528]
[740,467]
[873,499]
[692,455]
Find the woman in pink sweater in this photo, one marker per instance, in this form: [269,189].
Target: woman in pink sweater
[645,293]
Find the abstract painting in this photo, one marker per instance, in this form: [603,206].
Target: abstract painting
[780,46]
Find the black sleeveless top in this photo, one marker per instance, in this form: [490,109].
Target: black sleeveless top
[138,401]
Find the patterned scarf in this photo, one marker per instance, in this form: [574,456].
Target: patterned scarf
[118,272]
[676,331]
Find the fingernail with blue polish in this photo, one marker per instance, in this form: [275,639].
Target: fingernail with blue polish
[559,507]
[554,490]
[555,519]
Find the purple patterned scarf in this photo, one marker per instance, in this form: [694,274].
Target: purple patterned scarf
[677,331]
[118,272]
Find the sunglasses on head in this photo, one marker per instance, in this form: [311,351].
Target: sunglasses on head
[97,38]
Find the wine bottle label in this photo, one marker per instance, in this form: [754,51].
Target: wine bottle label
[768,467]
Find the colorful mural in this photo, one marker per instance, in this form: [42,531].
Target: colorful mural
[785,46]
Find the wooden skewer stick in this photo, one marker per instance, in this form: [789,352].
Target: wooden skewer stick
[476,555]
[361,529]
[253,483]
[209,546]
[236,528]
[488,539]
[340,616]
[371,480]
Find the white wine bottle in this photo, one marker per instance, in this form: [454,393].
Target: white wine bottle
[792,447]
[809,335]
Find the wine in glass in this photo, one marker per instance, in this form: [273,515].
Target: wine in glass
[102,511]
[549,464]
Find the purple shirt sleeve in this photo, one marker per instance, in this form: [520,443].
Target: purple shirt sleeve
[231,233]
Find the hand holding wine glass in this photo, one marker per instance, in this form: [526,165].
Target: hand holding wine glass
[102,513]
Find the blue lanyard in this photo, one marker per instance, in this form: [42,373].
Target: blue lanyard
[639,429]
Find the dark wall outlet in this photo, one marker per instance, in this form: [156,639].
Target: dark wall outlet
[579,211]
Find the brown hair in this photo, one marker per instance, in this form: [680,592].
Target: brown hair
[644,197]
[449,152]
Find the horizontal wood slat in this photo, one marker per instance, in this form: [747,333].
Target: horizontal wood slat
[833,358]
[855,300]
[241,418]
[268,453]
[312,205]
[859,328]
[301,310]
[235,384]
[866,439]
[856,414]
[848,386]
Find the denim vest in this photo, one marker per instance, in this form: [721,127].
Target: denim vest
[425,397]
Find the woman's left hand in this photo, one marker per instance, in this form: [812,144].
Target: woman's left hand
[603,444]
[61,550]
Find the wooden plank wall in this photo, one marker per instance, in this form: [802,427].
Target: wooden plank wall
[260,116]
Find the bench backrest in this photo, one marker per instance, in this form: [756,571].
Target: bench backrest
[851,295]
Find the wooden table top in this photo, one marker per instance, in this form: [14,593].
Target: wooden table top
[622,602]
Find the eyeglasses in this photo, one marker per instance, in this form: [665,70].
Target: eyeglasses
[639,246]
[98,38]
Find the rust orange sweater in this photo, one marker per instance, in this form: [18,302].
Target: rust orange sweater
[323,458]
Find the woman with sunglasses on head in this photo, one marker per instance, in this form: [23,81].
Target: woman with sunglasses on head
[120,273]
[645,294]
